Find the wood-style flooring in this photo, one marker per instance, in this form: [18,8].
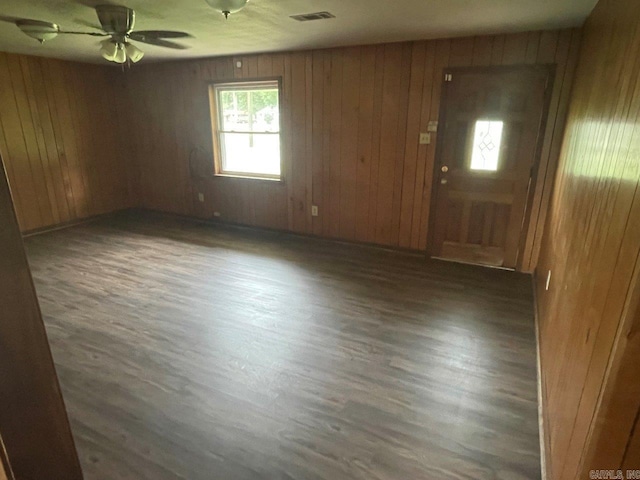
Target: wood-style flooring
[191,351]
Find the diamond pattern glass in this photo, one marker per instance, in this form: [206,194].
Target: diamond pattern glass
[487,137]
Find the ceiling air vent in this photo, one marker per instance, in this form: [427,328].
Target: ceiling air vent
[307,17]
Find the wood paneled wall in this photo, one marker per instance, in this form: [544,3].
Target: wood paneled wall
[614,439]
[352,117]
[36,436]
[63,143]
[589,325]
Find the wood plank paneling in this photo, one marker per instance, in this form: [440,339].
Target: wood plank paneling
[389,119]
[591,245]
[365,141]
[349,142]
[36,436]
[613,435]
[62,140]
[351,122]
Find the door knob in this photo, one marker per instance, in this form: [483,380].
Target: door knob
[444,169]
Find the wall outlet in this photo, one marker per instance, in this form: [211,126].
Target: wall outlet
[546,287]
[216,214]
[314,210]
[201,197]
[425,138]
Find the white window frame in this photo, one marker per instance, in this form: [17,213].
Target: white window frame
[216,122]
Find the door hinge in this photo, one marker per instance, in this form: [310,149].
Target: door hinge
[448,77]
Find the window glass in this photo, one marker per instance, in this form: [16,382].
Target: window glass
[248,129]
[487,137]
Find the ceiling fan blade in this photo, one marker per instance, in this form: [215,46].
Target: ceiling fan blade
[8,19]
[42,31]
[93,34]
[159,42]
[158,34]
[86,23]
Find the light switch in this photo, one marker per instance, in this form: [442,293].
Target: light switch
[425,138]
[201,197]
[432,126]
[314,210]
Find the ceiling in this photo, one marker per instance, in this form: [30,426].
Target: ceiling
[264,25]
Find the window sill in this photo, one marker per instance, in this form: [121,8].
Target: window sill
[249,177]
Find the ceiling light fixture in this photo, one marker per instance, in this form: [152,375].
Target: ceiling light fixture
[121,55]
[133,53]
[116,28]
[119,52]
[227,7]
[108,50]
[41,31]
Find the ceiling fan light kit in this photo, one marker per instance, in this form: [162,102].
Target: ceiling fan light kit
[133,53]
[116,25]
[108,50]
[227,7]
[120,52]
[120,56]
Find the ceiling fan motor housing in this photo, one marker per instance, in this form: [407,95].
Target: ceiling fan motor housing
[116,19]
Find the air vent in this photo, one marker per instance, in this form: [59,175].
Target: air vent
[307,17]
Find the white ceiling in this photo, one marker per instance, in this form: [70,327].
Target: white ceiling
[264,25]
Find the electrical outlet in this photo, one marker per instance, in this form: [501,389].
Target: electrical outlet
[201,197]
[314,210]
[546,287]
[425,138]
[216,214]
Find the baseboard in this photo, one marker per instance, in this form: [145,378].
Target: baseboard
[541,393]
[255,228]
[71,223]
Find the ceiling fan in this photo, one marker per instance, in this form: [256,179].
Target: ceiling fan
[117,23]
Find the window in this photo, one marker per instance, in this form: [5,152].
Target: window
[485,153]
[246,128]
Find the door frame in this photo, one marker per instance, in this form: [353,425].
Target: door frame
[549,70]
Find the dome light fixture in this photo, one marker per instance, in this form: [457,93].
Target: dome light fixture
[227,7]
[41,31]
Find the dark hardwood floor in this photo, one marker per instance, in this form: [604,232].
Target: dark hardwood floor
[191,351]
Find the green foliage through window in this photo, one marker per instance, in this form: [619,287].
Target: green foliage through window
[249,110]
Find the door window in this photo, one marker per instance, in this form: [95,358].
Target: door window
[485,152]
